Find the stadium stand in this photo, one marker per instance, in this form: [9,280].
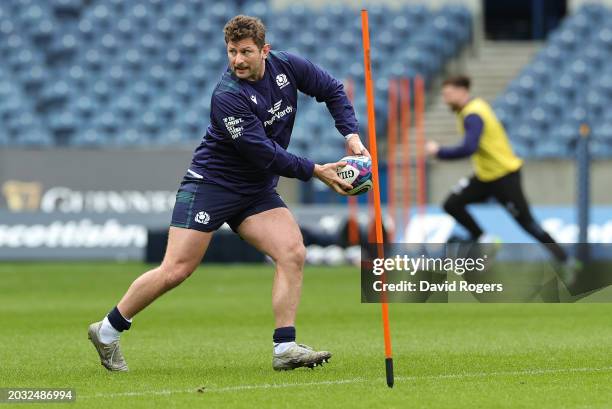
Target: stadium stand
[110,73]
[569,82]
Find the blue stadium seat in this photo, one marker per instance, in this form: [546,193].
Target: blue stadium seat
[401,26]
[607,114]
[565,85]
[179,14]
[565,132]
[33,79]
[524,133]
[416,13]
[596,103]
[600,149]
[298,14]
[89,138]
[603,132]
[338,14]
[102,16]
[124,108]
[34,138]
[189,44]
[593,56]
[94,73]
[604,37]
[521,149]
[55,94]
[85,107]
[66,121]
[551,149]
[67,6]
[102,91]
[182,92]
[164,30]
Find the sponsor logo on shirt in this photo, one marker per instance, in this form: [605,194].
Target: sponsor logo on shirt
[233,126]
[277,113]
[282,81]
[202,218]
[276,107]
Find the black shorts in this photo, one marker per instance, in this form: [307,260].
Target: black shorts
[205,207]
[507,190]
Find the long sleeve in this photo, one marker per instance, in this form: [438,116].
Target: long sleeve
[315,81]
[233,117]
[473,125]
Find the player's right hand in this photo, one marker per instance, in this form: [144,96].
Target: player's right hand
[432,148]
[328,174]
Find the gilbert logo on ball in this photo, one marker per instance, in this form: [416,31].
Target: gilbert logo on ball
[357,172]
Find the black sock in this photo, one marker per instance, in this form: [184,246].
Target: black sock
[284,334]
[117,320]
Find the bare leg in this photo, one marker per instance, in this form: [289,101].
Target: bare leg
[276,233]
[183,255]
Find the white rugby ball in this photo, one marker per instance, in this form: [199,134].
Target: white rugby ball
[357,172]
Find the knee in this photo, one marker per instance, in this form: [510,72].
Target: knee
[451,204]
[293,254]
[175,273]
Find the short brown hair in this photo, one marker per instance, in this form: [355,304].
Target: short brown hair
[241,27]
[462,81]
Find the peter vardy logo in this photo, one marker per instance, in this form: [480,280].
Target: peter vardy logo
[276,107]
[202,218]
[277,113]
[282,81]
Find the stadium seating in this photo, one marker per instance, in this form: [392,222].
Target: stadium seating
[96,73]
[568,82]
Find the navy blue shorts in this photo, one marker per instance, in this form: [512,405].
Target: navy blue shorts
[205,207]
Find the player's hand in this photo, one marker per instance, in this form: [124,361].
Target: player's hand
[328,174]
[432,148]
[355,147]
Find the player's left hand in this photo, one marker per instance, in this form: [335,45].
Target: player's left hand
[355,147]
[432,148]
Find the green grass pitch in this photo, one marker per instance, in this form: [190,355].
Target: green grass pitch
[213,334]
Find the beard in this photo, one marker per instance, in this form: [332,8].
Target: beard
[249,73]
[454,107]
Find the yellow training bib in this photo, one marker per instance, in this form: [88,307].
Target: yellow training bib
[494,157]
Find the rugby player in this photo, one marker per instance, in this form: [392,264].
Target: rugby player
[497,170]
[232,179]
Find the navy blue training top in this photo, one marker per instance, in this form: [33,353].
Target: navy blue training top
[244,148]
[473,125]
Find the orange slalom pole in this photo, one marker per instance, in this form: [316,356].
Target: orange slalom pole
[391,146]
[419,112]
[353,222]
[377,211]
[405,123]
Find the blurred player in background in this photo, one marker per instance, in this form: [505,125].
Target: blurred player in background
[232,179]
[497,170]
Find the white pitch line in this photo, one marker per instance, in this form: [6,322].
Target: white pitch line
[529,372]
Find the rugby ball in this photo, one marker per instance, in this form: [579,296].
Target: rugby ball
[357,172]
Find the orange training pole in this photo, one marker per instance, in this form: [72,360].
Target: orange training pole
[406,162]
[419,110]
[378,215]
[353,222]
[391,146]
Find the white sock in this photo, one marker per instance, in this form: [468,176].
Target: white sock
[108,333]
[282,347]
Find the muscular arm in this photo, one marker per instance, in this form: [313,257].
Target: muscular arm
[316,82]
[233,117]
